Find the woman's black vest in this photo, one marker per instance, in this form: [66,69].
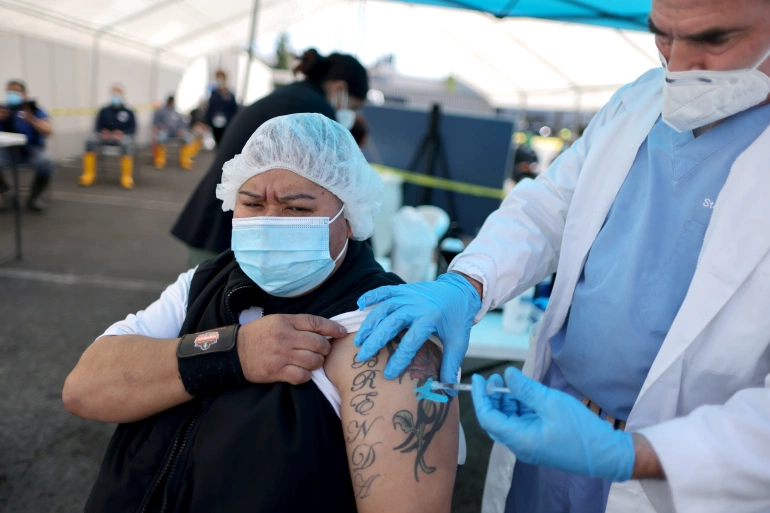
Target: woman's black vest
[255,448]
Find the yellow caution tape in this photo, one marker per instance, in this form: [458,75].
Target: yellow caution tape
[59,113]
[90,111]
[443,183]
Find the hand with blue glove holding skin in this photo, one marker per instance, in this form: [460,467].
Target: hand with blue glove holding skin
[445,307]
[543,426]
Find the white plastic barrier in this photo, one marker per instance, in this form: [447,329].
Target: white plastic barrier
[414,246]
[392,199]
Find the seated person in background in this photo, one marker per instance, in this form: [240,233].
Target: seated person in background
[115,126]
[24,116]
[167,124]
[273,414]
[198,126]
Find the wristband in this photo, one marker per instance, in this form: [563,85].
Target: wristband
[208,361]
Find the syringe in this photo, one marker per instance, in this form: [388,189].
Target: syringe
[462,387]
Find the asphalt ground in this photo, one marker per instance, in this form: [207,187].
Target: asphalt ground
[96,255]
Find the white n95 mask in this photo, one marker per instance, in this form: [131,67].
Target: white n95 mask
[345,116]
[692,99]
[285,256]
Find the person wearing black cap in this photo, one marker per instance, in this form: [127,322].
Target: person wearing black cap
[334,86]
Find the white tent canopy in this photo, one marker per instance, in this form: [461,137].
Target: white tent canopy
[512,62]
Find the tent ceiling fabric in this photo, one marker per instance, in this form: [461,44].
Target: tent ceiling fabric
[625,14]
[177,29]
[512,61]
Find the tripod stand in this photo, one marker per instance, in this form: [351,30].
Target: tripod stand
[431,150]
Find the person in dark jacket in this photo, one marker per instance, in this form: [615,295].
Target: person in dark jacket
[334,86]
[229,395]
[115,126]
[22,115]
[222,107]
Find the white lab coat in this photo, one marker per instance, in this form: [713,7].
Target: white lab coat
[705,404]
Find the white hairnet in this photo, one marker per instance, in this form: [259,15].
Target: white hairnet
[316,148]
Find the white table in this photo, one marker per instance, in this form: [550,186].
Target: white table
[490,340]
[11,140]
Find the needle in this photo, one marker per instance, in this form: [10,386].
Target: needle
[462,387]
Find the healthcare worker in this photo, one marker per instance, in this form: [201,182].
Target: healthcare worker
[222,107]
[648,383]
[335,86]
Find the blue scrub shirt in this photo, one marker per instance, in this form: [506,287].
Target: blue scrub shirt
[634,280]
[640,266]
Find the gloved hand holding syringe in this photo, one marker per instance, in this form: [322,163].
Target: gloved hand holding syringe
[462,387]
[429,389]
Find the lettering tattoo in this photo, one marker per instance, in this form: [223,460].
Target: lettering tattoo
[363,485]
[355,429]
[364,378]
[363,455]
[363,403]
[421,428]
[369,364]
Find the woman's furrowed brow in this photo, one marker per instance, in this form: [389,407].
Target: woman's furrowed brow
[252,195]
[295,196]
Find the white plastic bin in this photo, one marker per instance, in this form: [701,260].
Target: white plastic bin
[392,199]
[414,244]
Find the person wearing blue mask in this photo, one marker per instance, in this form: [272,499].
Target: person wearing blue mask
[168,124]
[241,380]
[115,126]
[335,86]
[221,107]
[21,115]
[647,386]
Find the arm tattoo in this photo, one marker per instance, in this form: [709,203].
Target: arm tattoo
[369,364]
[363,485]
[363,455]
[355,429]
[363,403]
[419,429]
[364,378]
[430,415]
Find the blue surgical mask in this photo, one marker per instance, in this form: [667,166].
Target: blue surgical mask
[285,256]
[116,100]
[14,98]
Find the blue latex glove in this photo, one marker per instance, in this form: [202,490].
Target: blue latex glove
[445,307]
[542,426]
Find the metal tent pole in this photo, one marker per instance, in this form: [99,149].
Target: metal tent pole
[521,116]
[578,108]
[155,77]
[95,72]
[250,48]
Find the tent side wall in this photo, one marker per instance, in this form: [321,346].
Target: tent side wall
[59,76]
